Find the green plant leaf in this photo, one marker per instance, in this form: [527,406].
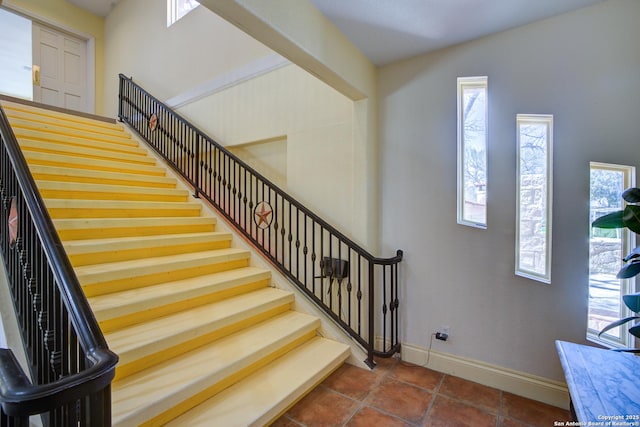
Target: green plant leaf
[617,323]
[631,218]
[632,301]
[631,195]
[630,270]
[633,254]
[635,331]
[612,220]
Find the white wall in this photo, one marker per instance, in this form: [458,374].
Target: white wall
[169,61]
[582,67]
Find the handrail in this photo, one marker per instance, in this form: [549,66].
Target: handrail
[303,246]
[66,352]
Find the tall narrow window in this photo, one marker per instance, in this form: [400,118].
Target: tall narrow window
[607,247]
[533,225]
[472,151]
[176,9]
[15,55]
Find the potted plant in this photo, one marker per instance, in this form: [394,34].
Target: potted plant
[629,218]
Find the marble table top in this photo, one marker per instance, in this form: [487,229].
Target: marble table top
[604,385]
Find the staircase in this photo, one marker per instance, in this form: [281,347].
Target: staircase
[203,336]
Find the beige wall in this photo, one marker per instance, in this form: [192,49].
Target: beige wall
[316,121]
[71,18]
[170,61]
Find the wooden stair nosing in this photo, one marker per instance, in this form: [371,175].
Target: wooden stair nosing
[71,187]
[61,174]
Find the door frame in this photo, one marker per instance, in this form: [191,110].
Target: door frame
[88,38]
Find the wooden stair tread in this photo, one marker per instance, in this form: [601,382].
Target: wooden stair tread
[259,399]
[131,301]
[149,337]
[61,128]
[149,393]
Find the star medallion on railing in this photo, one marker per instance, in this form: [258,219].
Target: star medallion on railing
[263,215]
[153,122]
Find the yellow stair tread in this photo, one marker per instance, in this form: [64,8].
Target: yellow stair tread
[16,109]
[49,159]
[135,341]
[61,128]
[149,393]
[107,188]
[73,247]
[118,204]
[131,301]
[102,223]
[85,152]
[63,174]
[260,398]
[114,144]
[89,274]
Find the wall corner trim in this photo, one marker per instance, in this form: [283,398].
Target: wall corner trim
[520,383]
[219,83]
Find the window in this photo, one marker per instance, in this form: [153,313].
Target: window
[533,224]
[15,56]
[472,151]
[176,9]
[607,247]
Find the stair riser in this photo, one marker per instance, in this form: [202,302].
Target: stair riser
[135,281]
[108,232]
[128,367]
[237,375]
[143,314]
[128,146]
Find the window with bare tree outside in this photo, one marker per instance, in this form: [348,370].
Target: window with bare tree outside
[534,195]
[472,151]
[607,247]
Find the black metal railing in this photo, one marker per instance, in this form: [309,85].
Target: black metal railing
[70,366]
[357,290]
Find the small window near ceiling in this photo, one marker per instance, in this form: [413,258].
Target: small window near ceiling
[176,9]
[472,151]
[534,195]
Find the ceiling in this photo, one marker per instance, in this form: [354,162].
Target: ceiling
[391,30]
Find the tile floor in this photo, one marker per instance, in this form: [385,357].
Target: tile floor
[401,394]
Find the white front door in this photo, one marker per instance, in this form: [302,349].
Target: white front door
[60,69]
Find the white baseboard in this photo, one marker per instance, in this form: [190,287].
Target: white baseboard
[522,384]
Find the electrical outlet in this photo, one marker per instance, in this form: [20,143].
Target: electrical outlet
[442,333]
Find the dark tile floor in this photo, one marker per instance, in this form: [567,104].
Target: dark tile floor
[401,394]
